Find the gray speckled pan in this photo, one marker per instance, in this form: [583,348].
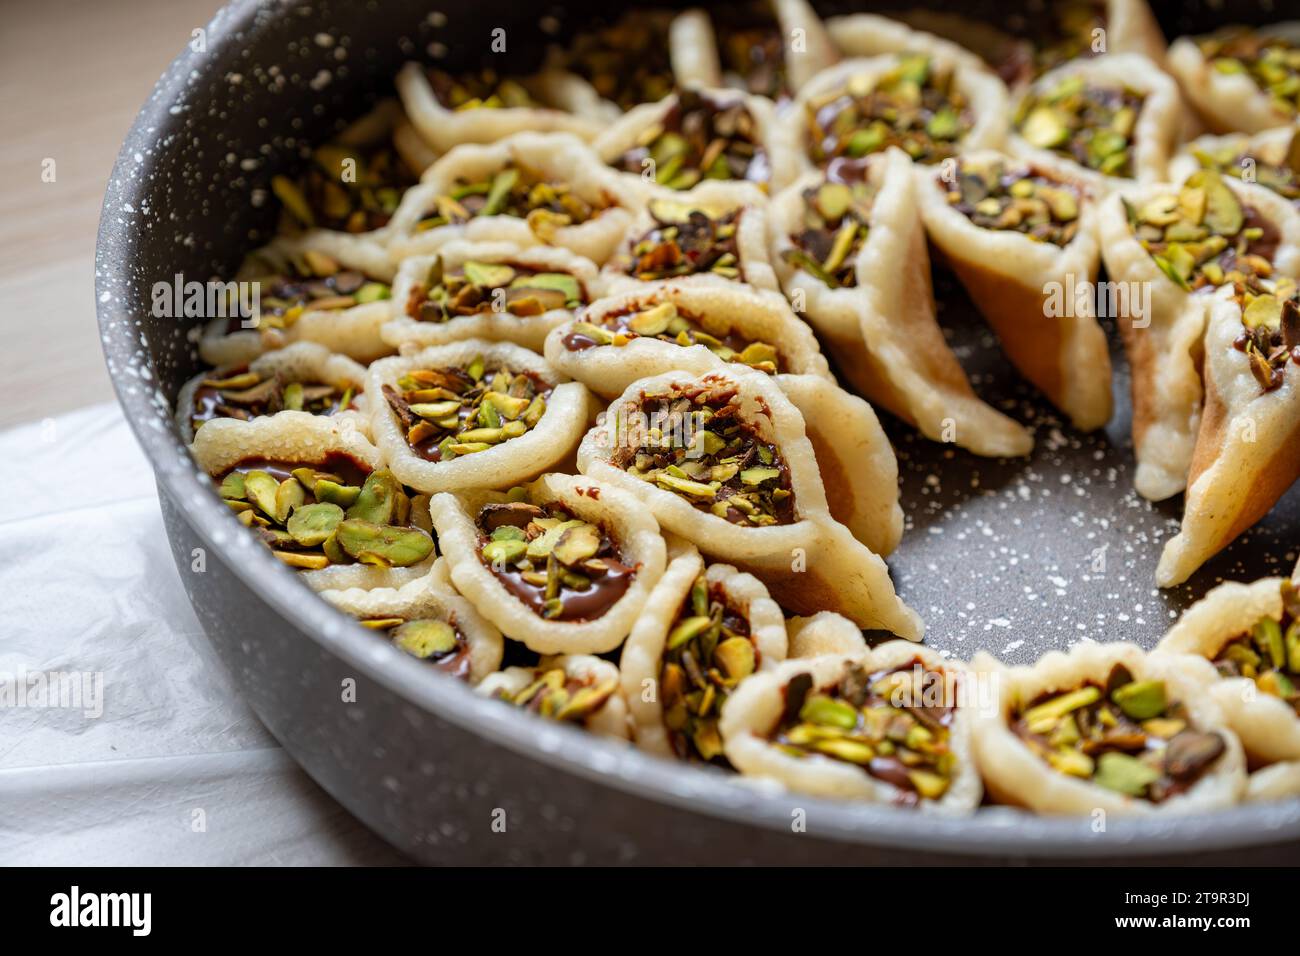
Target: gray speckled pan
[1015,557]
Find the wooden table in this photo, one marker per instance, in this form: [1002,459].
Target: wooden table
[73,73]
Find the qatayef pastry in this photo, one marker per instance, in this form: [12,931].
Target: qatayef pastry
[1022,240]
[824,633]
[1107,727]
[484,107]
[697,134]
[702,633]
[322,287]
[929,106]
[1251,634]
[427,619]
[1241,79]
[303,377]
[1065,30]
[886,725]
[766,47]
[473,414]
[1175,246]
[1270,158]
[564,564]
[318,495]
[354,183]
[849,247]
[716,231]
[671,327]
[529,189]
[625,63]
[577,688]
[1105,120]
[723,460]
[489,290]
[1247,451]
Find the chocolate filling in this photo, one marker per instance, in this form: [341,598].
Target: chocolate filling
[700,138]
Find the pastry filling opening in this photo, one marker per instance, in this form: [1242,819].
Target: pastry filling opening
[668,322]
[708,651]
[1203,236]
[313,515]
[699,138]
[836,221]
[563,568]
[896,725]
[1269,652]
[479,288]
[1126,736]
[685,240]
[516,191]
[1283,177]
[692,441]
[454,411]
[313,282]
[558,695]
[1092,125]
[1270,334]
[244,395]
[996,195]
[1271,62]
[914,106]
[363,200]
[438,642]
[626,62]
[485,89]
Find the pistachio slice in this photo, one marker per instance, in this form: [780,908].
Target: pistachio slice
[1000,195]
[700,137]
[1088,123]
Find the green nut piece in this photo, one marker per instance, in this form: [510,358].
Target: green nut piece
[261,489]
[384,546]
[829,712]
[425,638]
[311,525]
[332,492]
[504,551]
[1141,700]
[377,501]
[1124,774]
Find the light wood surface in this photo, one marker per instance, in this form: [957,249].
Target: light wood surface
[73,73]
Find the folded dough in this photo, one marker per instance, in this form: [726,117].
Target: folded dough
[1276,782]
[1247,451]
[530,189]
[429,620]
[496,291]
[577,688]
[701,634]
[887,725]
[304,376]
[823,633]
[1167,248]
[473,414]
[872,301]
[1023,240]
[322,287]
[866,105]
[483,108]
[723,460]
[564,564]
[716,231]
[766,47]
[1240,78]
[316,492]
[1107,727]
[1107,121]
[869,34]
[689,327]
[1250,633]
[665,143]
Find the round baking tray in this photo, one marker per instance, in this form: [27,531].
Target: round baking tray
[1017,557]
